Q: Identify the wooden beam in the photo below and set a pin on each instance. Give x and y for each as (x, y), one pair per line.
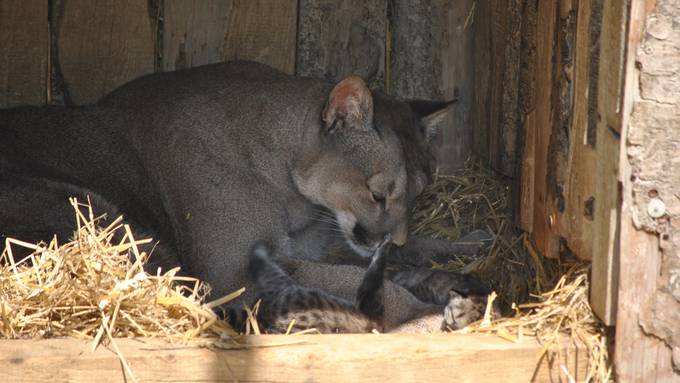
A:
(102, 45)
(23, 52)
(316, 358)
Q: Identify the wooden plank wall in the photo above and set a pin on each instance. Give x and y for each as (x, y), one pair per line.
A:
(90, 48)
(102, 45)
(23, 52)
(411, 49)
(197, 32)
(570, 199)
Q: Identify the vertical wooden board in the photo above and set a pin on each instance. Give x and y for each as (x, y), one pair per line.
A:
(23, 52)
(523, 183)
(416, 36)
(193, 33)
(545, 239)
(482, 59)
(608, 149)
(102, 45)
(336, 39)
(510, 125)
(637, 356)
(652, 139)
(499, 36)
(262, 31)
(528, 173)
(454, 56)
(576, 223)
(432, 58)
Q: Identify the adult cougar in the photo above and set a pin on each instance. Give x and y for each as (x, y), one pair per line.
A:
(217, 157)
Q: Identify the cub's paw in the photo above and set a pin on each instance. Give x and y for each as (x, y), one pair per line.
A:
(463, 310)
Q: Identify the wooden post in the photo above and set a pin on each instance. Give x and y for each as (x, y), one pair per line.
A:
(648, 319)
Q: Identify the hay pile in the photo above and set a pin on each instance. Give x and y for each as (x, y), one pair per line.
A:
(474, 198)
(559, 315)
(541, 298)
(89, 288)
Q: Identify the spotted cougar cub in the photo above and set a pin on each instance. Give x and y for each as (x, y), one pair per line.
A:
(283, 301)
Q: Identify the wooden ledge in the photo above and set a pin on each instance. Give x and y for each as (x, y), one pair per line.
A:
(319, 358)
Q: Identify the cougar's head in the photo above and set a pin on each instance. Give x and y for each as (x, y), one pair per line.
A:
(371, 159)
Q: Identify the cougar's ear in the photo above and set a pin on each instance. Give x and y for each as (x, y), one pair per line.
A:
(431, 115)
(350, 105)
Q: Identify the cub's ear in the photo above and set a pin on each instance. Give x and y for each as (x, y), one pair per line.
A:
(350, 105)
(431, 115)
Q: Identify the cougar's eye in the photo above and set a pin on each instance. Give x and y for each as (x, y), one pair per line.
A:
(377, 198)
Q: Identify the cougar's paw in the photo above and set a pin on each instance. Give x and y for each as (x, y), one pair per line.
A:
(463, 310)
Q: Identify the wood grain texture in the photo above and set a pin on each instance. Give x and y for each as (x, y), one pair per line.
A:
(528, 173)
(501, 35)
(545, 239)
(339, 38)
(432, 58)
(454, 58)
(652, 96)
(102, 45)
(319, 358)
(482, 61)
(577, 220)
(613, 64)
(24, 41)
(262, 31)
(193, 32)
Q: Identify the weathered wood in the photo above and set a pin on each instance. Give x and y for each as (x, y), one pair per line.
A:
(432, 58)
(607, 198)
(523, 175)
(500, 84)
(544, 237)
(340, 38)
(577, 219)
(193, 32)
(649, 297)
(454, 55)
(482, 60)
(318, 358)
(102, 45)
(499, 39)
(23, 52)
(528, 172)
(262, 31)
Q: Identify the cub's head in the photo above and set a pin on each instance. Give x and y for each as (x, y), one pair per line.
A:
(370, 160)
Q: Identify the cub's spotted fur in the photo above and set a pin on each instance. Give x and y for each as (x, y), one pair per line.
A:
(283, 301)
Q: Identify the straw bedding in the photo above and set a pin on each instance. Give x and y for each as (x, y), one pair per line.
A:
(542, 298)
(90, 288)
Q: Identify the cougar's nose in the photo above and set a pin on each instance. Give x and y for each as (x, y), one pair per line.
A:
(399, 234)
